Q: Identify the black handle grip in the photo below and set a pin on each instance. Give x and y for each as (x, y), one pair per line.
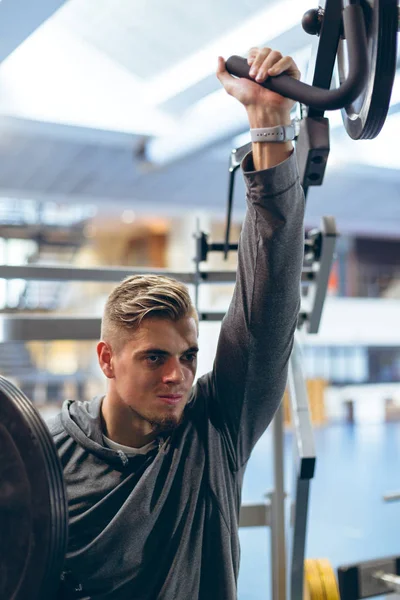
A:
(351, 88)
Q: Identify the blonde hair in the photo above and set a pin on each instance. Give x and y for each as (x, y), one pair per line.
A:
(141, 296)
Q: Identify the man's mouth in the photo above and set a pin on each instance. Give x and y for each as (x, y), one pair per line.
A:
(171, 398)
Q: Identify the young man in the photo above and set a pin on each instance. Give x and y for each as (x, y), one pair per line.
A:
(154, 469)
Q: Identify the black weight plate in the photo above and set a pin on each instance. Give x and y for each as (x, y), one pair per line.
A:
(365, 117)
(15, 516)
(33, 504)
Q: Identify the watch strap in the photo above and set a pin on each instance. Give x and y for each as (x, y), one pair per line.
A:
(280, 133)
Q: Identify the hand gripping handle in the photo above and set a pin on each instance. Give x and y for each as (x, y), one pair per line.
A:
(351, 88)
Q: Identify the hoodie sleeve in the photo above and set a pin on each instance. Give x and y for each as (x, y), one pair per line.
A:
(250, 369)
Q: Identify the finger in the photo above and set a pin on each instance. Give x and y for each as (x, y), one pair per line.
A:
(224, 77)
(220, 66)
(252, 55)
(258, 61)
(285, 65)
(273, 57)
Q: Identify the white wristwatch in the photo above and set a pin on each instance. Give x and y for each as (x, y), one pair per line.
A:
(281, 133)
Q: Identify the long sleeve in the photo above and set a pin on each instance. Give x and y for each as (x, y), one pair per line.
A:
(250, 369)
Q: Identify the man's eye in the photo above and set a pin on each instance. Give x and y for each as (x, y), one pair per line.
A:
(190, 357)
(153, 359)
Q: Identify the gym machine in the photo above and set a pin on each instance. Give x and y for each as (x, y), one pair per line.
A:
(360, 36)
(363, 35)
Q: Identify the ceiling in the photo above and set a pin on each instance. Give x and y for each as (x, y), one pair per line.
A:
(91, 89)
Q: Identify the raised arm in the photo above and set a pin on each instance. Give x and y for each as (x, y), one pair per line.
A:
(256, 338)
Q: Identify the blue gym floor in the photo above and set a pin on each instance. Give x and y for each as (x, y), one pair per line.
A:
(348, 520)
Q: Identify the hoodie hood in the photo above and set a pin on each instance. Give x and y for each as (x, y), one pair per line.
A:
(82, 420)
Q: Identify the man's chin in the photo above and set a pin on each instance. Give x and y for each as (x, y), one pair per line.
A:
(167, 423)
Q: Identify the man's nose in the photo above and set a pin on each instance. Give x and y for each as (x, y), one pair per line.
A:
(173, 371)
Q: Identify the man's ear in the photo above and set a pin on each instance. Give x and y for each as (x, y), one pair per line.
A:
(104, 355)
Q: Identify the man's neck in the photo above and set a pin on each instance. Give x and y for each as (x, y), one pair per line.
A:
(118, 425)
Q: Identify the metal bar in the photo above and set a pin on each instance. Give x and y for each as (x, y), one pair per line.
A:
(236, 157)
(211, 316)
(312, 150)
(102, 274)
(391, 581)
(304, 466)
(299, 535)
(326, 50)
(299, 407)
(255, 515)
(197, 260)
(20, 328)
(220, 246)
(392, 497)
(226, 248)
(116, 274)
(321, 68)
(22, 232)
(329, 235)
(40, 328)
(278, 545)
(238, 154)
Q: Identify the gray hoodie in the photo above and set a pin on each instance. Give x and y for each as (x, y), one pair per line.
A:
(164, 525)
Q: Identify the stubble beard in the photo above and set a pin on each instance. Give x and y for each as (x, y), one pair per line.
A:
(166, 423)
(162, 423)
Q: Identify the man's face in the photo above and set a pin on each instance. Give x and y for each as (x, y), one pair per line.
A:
(154, 372)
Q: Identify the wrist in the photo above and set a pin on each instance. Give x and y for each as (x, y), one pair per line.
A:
(261, 116)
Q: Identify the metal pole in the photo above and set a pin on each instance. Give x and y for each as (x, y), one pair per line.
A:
(304, 466)
(278, 546)
(197, 265)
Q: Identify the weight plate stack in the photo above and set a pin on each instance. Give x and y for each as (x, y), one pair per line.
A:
(320, 580)
(365, 117)
(33, 502)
